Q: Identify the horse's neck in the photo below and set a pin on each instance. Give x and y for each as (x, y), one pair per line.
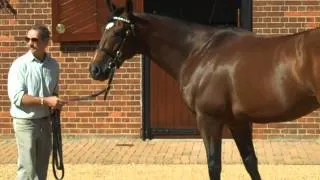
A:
(165, 41)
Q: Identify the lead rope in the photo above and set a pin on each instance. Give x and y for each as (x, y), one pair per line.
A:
(109, 83)
(57, 156)
(105, 90)
(57, 153)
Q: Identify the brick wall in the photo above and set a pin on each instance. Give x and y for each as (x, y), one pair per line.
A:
(281, 18)
(121, 114)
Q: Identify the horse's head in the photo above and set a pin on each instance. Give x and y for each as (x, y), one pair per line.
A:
(115, 45)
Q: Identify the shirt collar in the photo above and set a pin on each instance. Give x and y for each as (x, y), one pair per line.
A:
(31, 57)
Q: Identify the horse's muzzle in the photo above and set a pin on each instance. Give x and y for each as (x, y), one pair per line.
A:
(98, 73)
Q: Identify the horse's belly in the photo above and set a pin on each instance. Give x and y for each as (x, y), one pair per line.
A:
(276, 113)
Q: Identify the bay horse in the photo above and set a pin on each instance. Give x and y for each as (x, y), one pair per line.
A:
(227, 76)
(5, 5)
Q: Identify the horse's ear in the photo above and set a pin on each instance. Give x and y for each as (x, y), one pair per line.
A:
(110, 5)
(129, 6)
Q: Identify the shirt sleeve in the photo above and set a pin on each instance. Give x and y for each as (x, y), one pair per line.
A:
(16, 84)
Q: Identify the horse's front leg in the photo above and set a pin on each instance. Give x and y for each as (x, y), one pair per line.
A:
(242, 134)
(211, 130)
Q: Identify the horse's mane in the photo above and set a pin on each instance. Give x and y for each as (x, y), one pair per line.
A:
(223, 28)
(182, 23)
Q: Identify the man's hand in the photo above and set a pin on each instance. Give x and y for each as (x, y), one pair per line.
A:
(54, 102)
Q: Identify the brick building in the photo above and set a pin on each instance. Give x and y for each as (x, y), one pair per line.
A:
(136, 93)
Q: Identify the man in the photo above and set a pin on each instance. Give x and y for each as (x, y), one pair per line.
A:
(33, 89)
(5, 4)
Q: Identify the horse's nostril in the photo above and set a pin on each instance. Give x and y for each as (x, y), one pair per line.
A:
(95, 70)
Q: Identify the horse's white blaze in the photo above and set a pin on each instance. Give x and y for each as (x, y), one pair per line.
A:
(109, 25)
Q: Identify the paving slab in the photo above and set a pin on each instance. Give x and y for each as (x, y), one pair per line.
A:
(171, 151)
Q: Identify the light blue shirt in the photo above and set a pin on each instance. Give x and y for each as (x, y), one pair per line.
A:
(28, 75)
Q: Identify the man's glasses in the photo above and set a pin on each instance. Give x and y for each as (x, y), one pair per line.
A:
(32, 39)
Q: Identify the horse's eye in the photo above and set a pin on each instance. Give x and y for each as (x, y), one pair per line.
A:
(119, 33)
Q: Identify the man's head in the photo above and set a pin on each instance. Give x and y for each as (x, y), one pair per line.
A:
(37, 40)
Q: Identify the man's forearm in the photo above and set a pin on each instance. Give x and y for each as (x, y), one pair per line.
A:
(32, 100)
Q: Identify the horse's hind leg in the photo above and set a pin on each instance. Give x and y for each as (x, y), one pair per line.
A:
(242, 134)
(210, 131)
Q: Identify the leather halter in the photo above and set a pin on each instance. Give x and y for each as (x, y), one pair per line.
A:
(114, 63)
(116, 57)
